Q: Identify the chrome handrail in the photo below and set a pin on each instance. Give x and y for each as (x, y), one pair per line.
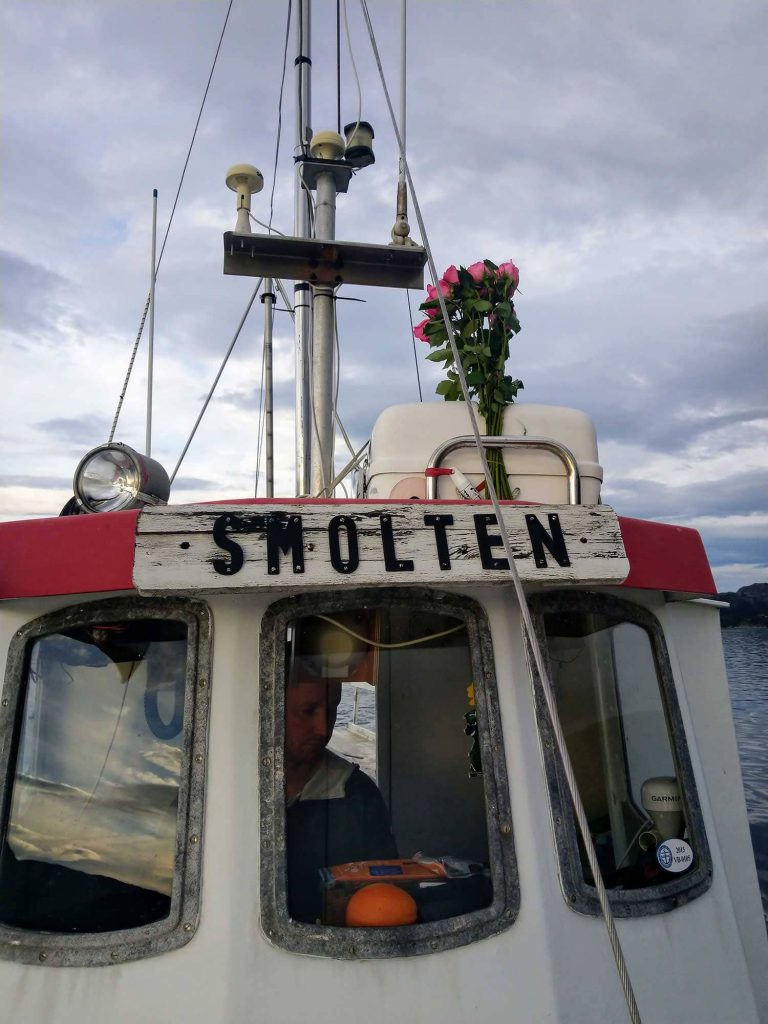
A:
(565, 455)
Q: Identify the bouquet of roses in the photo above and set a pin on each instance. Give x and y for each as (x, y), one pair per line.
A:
(479, 303)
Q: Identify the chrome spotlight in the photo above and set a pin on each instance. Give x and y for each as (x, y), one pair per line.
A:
(114, 477)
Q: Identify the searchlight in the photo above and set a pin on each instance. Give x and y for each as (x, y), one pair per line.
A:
(114, 477)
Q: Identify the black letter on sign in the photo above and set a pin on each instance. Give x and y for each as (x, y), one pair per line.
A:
(221, 540)
(391, 562)
(284, 533)
(486, 541)
(348, 524)
(441, 541)
(540, 539)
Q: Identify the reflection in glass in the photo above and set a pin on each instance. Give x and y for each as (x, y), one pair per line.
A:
(90, 831)
(385, 814)
(611, 709)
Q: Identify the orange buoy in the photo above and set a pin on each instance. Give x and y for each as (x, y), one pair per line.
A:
(380, 905)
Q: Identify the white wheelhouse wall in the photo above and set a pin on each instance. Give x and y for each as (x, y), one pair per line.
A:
(699, 962)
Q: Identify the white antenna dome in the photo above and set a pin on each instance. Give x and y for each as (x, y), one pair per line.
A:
(245, 179)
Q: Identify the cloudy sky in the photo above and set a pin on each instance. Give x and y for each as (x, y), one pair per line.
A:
(615, 151)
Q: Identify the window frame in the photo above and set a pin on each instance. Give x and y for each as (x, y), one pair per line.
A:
(408, 940)
(579, 895)
(93, 949)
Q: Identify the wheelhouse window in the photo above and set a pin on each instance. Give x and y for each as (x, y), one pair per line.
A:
(388, 796)
(615, 699)
(97, 790)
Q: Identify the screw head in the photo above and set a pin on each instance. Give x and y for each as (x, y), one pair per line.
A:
(5, 702)
(42, 957)
(266, 761)
(198, 758)
(187, 927)
(506, 829)
(194, 839)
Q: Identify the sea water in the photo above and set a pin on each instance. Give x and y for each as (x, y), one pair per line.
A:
(746, 661)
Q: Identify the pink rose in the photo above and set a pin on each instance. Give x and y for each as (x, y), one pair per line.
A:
(477, 271)
(451, 276)
(510, 271)
(418, 330)
(445, 288)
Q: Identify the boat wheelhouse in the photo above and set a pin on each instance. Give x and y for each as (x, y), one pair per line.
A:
(150, 660)
(412, 755)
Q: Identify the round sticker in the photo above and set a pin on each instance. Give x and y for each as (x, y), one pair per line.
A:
(674, 855)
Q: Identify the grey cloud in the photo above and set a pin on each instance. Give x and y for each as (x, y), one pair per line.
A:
(30, 294)
(193, 483)
(86, 430)
(740, 494)
(47, 483)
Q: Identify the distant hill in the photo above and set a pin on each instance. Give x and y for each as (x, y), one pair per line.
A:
(749, 606)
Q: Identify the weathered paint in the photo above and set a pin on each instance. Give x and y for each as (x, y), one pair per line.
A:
(94, 554)
(209, 548)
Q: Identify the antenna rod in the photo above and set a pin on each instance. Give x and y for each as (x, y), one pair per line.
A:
(403, 51)
(401, 231)
(151, 346)
(301, 291)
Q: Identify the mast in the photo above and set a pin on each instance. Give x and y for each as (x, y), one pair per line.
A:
(302, 292)
(323, 324)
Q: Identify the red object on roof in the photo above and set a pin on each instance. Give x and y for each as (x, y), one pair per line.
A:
(68, 555)
(664, 557)
(94, 554)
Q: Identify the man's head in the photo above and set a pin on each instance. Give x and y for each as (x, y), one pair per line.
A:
(311, 704)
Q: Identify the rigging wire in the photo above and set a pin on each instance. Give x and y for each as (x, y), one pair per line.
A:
(209, 396)
(338, 66)
(168, 229)
(354, 70)
(413, 340)
(532, 640)
(279, 123)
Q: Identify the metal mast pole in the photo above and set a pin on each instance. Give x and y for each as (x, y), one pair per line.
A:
(323, 329)
(268, 298)
(302, 229)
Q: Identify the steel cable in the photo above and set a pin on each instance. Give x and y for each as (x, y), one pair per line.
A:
(532, 639)
(132, 360)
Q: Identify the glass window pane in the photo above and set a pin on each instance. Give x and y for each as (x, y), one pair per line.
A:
(610, 705)
(90, 830)
(385, 815)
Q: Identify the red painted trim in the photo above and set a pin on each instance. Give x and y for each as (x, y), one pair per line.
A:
(94, 553)
(664, 557)
(68, 555)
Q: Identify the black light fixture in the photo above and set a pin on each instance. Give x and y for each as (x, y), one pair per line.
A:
(114, 477)
(359, 151)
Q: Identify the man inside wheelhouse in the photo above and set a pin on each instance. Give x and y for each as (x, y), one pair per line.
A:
(335, 813)
(416, 838)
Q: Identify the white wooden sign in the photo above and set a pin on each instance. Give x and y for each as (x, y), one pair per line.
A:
(297, 545)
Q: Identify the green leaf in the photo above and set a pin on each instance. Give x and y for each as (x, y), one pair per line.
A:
(443, 387)
(491, 265)
(475, 378)
(439, 354)
(483, 305)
